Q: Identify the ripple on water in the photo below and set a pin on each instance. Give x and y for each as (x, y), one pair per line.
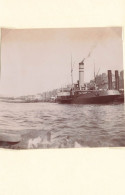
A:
(70, 125)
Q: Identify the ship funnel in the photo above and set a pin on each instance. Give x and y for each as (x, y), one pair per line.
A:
(81, 74)
(116, 80)
(109, 79)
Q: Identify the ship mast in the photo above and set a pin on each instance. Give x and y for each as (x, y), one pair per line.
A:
(71, 72)
(94, 76)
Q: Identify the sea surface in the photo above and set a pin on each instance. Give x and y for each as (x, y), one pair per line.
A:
(53, 125)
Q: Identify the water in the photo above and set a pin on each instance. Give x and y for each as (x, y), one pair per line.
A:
(52, 125)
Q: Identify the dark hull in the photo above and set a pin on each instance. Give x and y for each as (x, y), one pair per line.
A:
(89, 100)
(120, 99)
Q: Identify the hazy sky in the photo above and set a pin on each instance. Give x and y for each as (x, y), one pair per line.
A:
(37, 60)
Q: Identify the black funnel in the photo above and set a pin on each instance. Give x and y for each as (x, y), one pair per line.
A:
(109, 79)
(116, 80)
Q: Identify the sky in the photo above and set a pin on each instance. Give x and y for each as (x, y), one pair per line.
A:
(38, 60)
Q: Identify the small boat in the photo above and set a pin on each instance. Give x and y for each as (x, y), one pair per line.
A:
(10, 137)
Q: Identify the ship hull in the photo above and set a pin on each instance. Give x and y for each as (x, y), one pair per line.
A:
(92, 100)
(102, 97)
(96, 100)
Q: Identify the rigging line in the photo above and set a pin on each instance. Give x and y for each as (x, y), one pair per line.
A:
(71, 71)
(98, 71)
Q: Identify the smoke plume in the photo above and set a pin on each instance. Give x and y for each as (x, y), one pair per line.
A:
(91, 50)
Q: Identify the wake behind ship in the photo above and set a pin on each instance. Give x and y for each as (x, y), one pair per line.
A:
(78, 94)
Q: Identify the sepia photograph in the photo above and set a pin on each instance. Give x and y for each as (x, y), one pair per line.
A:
(61, 88)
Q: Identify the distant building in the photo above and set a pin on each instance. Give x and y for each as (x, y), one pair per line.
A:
(102, 81)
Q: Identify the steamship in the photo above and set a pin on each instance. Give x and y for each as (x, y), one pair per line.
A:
(78, 94)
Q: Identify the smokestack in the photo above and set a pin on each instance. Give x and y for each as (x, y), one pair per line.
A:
(81, 74)
(116, 80)
(109, 79)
